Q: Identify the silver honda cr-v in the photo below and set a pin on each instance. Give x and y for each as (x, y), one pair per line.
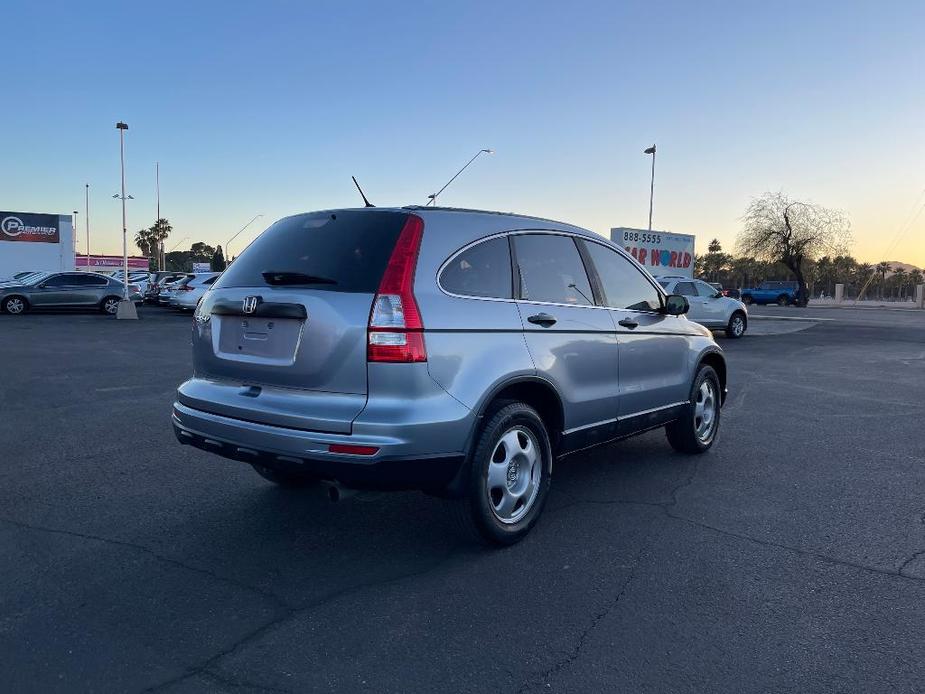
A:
(454, 351)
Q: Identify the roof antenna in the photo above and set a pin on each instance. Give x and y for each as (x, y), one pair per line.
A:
(368, 203)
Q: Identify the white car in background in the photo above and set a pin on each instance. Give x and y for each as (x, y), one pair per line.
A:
(708, 306)
(187, 292)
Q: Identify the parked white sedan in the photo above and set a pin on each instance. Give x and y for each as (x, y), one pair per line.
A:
(708, 306)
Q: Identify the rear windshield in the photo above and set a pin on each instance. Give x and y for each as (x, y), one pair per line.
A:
(343, 251)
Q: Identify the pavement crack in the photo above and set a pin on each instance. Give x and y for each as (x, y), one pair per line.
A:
(273, 598)
(206, 667)
(573, 655)
(797, 550)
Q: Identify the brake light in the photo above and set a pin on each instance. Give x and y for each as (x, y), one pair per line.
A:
(395, 330)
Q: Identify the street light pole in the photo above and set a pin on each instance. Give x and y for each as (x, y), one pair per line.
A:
(228, 245)
(87, 221)
(651, 150)
(126, 307)
(432, 199)
(76, 231)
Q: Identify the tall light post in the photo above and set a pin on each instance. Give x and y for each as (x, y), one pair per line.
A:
(651, 150)
(87, 222)
(126, 307)
(228, 245)
(76, 230)
(432, 199)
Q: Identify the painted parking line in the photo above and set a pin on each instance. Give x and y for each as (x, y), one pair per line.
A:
(811, 320)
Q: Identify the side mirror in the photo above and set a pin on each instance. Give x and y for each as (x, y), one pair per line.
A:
(676, 305)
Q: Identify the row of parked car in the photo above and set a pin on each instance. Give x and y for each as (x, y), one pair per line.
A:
(26, 290)
(181, 290)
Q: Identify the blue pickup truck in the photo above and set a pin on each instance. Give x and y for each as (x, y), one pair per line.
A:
(781, 293)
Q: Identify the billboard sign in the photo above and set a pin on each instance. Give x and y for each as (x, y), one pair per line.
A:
(660, 252)
(202, 267)
(110, 262)
(29, 227)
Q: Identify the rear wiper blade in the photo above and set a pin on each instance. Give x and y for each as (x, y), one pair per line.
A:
(273, 277)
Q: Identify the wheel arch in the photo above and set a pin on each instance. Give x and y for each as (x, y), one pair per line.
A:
(717, 361)
(15, 295)
(535, 391)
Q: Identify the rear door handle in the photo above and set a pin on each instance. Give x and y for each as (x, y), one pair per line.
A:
(543, 319)
(628, 323)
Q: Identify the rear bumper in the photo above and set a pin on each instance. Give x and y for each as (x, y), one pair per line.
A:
(297, 450)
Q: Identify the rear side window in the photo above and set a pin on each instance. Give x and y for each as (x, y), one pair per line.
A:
(211, 280)
(344, 251)
(551, 270)
(685, 289)
(623, 284)
(481, 270)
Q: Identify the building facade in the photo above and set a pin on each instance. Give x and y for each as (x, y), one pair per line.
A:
(35, 242)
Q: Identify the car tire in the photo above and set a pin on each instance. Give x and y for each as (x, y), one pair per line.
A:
(696, 430)
(110, 305)
(747, 300)
(737, 325)
(783, 300)
(507, 476)
(15, 305)
(283, 478)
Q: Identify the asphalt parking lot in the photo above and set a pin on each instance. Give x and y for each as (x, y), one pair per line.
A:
(789, 558)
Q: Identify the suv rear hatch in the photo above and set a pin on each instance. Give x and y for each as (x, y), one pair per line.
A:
(281, 338)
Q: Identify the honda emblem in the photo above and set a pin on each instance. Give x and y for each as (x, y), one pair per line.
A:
(250, 303)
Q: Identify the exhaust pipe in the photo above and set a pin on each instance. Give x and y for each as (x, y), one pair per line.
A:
(336, 491)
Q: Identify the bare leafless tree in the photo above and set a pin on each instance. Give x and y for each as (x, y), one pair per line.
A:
(778, 229)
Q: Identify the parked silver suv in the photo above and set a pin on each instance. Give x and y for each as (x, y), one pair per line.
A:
(453, 351)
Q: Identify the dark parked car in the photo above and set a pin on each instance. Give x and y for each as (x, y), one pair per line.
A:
(65, 290)
(454, 351)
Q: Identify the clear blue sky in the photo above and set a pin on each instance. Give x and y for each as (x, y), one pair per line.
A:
(270, 107)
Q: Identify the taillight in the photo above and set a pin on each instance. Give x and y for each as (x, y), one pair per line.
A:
(185, 288)
(395, 332)
(134, 288)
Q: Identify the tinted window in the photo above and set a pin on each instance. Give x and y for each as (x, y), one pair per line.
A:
(623, 284)
(211, 280)
(482, 270)
(551, 270)
(685, 288)
(350, 249)
(59, 281)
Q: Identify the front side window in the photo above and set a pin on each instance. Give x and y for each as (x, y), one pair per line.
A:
(481, 270)
(623, 284)
(685, 289)
(58, 281)
(551, 270)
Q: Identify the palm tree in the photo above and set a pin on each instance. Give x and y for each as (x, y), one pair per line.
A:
(145, 242)
(899, 274)
(882, 268)
(715, 246)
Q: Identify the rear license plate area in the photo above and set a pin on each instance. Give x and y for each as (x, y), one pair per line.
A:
(258, 340)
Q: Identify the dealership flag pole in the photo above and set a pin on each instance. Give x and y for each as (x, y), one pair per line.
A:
(126, 307)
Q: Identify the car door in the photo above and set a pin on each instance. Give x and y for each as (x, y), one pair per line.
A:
(712, 308)
(697, 312)
(654, 377)
(570, 339)
(51, 292)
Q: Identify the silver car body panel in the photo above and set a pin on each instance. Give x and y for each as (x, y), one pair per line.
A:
(610, 380)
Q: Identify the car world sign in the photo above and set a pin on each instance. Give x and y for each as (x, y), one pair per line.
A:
(28, 227)
(659, 252)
